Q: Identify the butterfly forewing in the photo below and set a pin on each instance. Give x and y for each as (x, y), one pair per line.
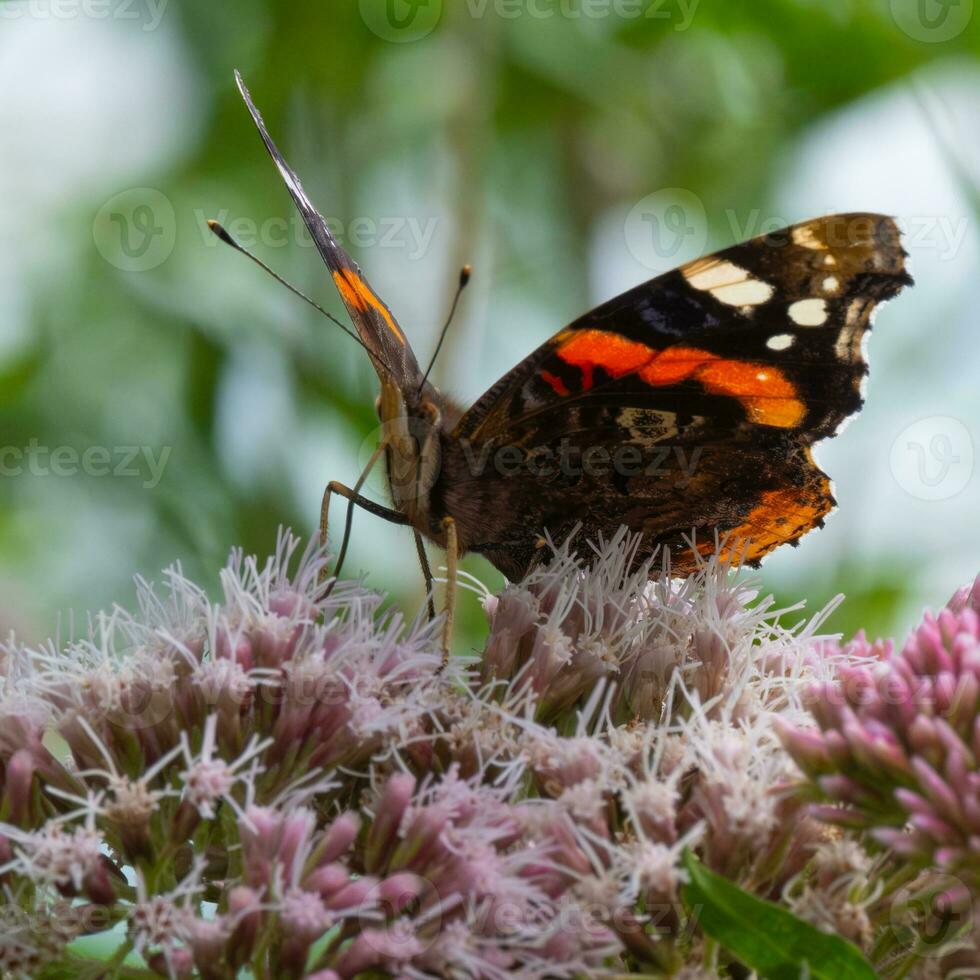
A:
(775, 324)
(374, 321)
(719, 374)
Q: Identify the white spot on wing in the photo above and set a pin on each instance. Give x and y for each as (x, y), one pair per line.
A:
(752, 292)
(781, 341)
(711, 272)
(805, 236)
(809, 312)
(830, 284)
(727, 282)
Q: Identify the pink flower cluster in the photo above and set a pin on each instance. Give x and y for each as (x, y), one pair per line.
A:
(897, 743)
(288, 782)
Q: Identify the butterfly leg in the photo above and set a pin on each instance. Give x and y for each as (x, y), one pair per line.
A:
(452, 570)
(427, 575)
(353, 497)
(386, 513)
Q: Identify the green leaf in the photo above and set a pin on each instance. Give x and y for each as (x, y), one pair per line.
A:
(765, 937)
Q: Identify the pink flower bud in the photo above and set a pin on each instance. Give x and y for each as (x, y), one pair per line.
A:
(297, 831)
(18, 787)
(292, 605)
(244, 909)
(353, 895)
(175, 964)
(397, 892)
(98, 885)
(390, 809)
(806, 747)
(339, 837)
(207, 938)
(375, 948)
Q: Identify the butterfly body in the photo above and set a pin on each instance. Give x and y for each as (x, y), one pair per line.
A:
(416, 436)
(685, 407)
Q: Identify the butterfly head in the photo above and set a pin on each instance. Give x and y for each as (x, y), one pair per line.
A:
(413, 422)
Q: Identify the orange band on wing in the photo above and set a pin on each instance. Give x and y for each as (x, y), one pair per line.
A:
(616, 355)
(357, 294)
(676, 364)
(559, 386)
(768, 396)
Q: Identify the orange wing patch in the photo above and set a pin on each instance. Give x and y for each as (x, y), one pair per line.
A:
(356, 293)
(781, 516)
(676, 364)
(768, 396)
(616, 355)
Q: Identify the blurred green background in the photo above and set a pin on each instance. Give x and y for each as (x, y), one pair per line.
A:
(566, 149)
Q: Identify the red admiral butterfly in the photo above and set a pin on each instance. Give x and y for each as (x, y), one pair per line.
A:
(688, 404)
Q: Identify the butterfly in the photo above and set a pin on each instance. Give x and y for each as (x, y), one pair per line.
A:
(685, 409)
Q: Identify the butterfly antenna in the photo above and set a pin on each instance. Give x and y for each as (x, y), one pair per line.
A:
(223, 234)
(464, 278)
